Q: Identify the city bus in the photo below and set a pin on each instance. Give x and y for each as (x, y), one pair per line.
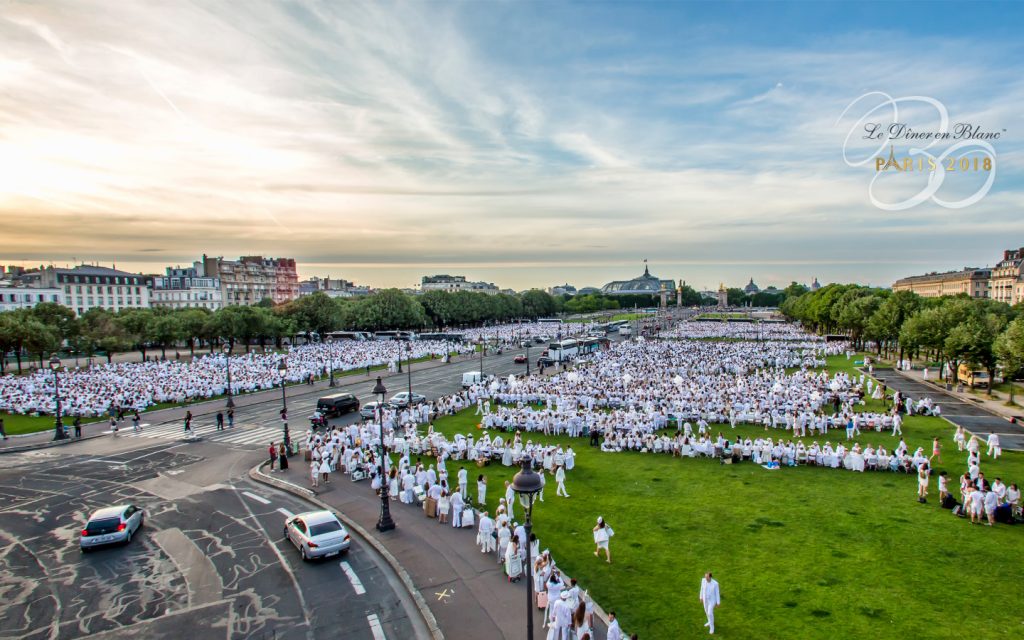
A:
(589, 345)
(563, 351)
(550, 320)
(360, 336)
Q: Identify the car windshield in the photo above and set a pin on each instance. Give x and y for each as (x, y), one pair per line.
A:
(103, 525)
(322, 528)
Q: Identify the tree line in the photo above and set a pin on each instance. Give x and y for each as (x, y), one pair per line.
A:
(954, 330)
(49, 327)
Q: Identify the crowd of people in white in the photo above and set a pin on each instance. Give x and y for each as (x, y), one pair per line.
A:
(737, 330)
(101, 388)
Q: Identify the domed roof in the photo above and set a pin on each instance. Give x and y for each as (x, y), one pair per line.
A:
(645, 283)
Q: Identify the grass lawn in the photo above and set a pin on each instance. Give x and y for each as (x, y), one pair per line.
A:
(18, 424)
(800, 553)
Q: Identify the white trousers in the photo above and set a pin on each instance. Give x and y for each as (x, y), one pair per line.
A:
(709, 611)
(561, 490)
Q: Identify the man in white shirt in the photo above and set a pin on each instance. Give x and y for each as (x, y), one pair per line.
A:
(463, 481)
(614, 633)
(710, 598)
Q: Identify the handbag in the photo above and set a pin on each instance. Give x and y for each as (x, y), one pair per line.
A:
(611, 532)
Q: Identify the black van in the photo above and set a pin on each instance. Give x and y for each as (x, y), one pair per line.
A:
(337, 404)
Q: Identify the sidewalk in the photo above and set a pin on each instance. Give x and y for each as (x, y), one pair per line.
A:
(209, 407)
(467, 591)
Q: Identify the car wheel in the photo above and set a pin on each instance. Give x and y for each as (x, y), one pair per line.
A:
(302, 552)
(128, 538)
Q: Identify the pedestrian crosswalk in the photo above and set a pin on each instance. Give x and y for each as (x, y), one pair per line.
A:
(239, 435)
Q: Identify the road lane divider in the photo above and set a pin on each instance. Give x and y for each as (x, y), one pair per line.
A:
(286, 513)
(375, 628)
(255, 497)
(357, 584)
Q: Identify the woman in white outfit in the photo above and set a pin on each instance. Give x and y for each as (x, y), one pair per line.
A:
(602, 534)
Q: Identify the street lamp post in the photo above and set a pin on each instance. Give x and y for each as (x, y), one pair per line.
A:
(527, 359)
(331, 383)
(399, 345)
(483, 345)
(527, 484)
(58, 426)
(282, 368)
(408, 368)
(385, 523)
(227, 364)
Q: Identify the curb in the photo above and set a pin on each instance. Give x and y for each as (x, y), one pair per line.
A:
(257, 475)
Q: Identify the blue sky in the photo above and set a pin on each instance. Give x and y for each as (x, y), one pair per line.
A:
(524, 143)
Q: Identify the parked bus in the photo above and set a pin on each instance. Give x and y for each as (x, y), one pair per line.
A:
(589, 345)
(449, 337)
(394, 335)
(563, 351)
(550, 320)
(359, 336)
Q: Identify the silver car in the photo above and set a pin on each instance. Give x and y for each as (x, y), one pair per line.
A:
(112, 525)
(369, 410)
(317, 534)
(401, 400)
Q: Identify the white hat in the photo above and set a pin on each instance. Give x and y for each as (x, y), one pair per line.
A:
(565, 595)
(600, 519)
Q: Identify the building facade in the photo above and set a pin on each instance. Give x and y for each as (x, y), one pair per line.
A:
(187, 288)
(86, 287)
(971, 281)
(13, 298)
(453, 284)
(1007, 281)
(332, 288)
(250, 279)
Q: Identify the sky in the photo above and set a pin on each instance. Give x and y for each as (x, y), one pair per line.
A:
(522, 143)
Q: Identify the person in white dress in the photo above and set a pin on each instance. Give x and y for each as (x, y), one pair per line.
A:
(710, 597)
(481, 489)
(602, 534)
(994, 450)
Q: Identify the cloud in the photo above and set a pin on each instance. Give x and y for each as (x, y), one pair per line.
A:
(376, 133)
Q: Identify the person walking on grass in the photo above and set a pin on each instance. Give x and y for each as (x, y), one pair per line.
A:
(710, 597)
(922, 482)
(602, 535)
(936, 451)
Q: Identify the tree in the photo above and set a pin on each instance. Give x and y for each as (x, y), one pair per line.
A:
(537, 304)
(58, 317)
(10, 338)
(136, 324)
(317, 313)
(973, 341)
(885, 323)
(1009, 349)
(193, 326)
(165, 329)
(389, 309)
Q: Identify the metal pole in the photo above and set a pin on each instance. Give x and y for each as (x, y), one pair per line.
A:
(408, 368)
(58, 428)
(399, 355)
(527, 359)
(385, 523)
(482, 347)
(227, 363)
(529, 571)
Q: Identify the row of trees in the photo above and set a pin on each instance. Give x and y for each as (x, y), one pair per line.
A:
(953, 330)
(50, 327)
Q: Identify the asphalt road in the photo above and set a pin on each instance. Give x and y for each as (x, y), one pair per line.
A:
(211, 561)
(973, 418)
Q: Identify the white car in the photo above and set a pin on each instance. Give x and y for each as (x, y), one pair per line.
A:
(112, 525)
(317, 534)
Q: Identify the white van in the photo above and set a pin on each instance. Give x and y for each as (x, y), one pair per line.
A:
(625, 330)
(470, 378)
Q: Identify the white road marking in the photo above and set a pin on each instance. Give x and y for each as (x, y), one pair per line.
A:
(255, 497)
(375, 628)
(353, 578)
(285, 512)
